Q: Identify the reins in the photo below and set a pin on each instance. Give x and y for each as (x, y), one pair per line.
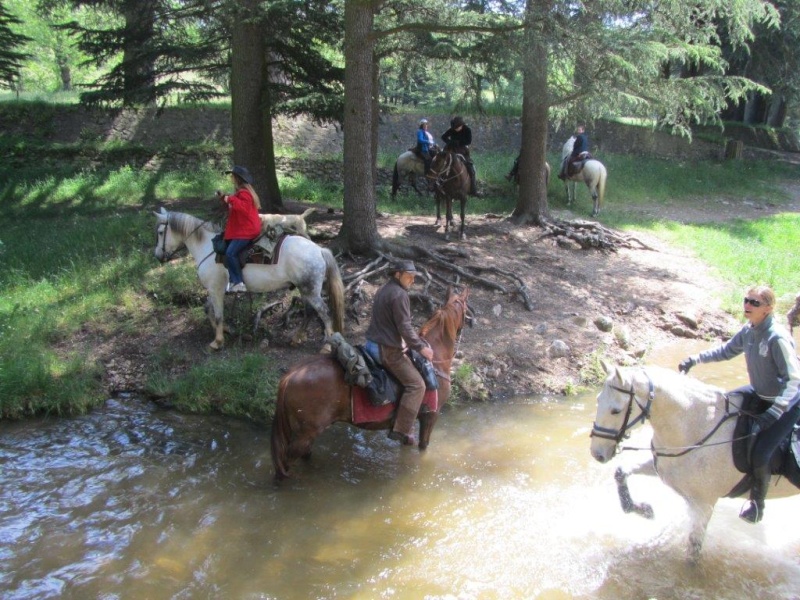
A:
(617, 435)
(441, 177)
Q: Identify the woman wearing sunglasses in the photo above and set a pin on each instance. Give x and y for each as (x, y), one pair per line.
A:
(774, 390)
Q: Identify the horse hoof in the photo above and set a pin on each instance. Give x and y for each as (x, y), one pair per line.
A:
(214, 345)
(326, 349)
(463, 236)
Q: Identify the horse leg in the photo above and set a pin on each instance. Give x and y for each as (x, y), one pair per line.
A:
(321, 309)
(595, 196)
(700, 514)
(427, 420)
(214, 309)
(438, 210)
(463, 210)
(628, 505)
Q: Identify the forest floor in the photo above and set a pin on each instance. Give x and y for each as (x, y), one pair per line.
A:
(586, 304)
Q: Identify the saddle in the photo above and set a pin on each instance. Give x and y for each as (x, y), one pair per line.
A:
(361, 370)
(785, 461)
(261, 251)
(576, 166)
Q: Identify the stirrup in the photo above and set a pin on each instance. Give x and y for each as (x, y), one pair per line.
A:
(751, 513)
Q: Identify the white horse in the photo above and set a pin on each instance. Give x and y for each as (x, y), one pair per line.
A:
(693, 425)
(593, 174)
(409, 167)
(301, 263)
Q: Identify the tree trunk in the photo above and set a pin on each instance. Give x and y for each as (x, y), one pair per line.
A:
(776, 116)
(359, 231)
(139, 72)
(532, 200)
(251, 116)
(734, 149)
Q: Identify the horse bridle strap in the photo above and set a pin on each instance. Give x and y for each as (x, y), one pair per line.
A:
(619, 434)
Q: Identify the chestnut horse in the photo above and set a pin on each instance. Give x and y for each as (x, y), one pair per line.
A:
(451, 182)
(313, 395)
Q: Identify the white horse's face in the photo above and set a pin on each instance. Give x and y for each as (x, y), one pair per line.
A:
(167, 243)
(612, 407)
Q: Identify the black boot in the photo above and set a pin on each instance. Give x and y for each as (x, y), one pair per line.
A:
(753, 511)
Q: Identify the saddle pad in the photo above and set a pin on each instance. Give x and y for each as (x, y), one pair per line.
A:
(364, 412)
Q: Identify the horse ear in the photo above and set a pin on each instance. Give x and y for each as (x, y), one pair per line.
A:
(607, 367)
(618, 375)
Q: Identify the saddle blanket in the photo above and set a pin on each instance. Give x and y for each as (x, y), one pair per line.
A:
(364, 412)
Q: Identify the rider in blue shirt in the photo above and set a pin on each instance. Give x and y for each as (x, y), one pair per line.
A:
(425, 143)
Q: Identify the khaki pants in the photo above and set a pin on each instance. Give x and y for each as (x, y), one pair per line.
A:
(399, 365)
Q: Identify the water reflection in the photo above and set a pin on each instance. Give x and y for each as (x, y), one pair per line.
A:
(133, 502)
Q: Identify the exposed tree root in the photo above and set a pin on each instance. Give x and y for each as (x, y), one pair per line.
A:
(590, 234)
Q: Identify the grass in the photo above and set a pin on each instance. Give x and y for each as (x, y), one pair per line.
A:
(76, 246)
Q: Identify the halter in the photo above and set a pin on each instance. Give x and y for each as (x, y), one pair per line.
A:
(623, 432)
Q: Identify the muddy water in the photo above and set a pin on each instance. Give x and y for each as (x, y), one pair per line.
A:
(134, 502)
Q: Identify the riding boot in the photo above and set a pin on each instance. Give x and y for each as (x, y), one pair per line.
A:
(473, 187)
(562, 175)
(754, 509)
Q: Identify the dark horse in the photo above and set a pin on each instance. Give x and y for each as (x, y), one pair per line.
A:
(313, 395)
(451, 182)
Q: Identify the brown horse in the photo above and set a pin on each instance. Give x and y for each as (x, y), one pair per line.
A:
(313, 395)
(451, 182)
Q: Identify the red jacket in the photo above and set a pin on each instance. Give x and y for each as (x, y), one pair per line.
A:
(243, 220)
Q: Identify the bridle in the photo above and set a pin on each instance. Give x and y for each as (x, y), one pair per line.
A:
(166, 257)
(441, 174)
(617, 435)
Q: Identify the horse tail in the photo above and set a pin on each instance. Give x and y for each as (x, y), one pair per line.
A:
(335, 288)
(395, 180)
(601, 187)
(281, 432)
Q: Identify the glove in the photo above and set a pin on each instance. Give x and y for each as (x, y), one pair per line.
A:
(686, 364)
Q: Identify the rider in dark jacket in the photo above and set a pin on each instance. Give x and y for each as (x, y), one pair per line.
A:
(580, 149)
(458, 139)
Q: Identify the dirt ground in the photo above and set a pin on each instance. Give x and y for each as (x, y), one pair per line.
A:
(586, 304)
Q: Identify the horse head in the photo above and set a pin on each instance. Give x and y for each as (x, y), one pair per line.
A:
(164, 250)
(615, 406)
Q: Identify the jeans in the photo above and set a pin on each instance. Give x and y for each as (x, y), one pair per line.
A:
(232, 260)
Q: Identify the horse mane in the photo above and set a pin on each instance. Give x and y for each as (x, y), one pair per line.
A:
(187, 225)
(447, 317)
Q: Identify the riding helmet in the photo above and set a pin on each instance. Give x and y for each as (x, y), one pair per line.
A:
(457, 122)
(423, 122)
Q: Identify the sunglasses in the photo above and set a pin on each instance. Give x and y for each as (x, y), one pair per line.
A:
(753, 303)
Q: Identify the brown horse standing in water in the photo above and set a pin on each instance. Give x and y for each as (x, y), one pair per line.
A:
(313, 394)
(451, 182)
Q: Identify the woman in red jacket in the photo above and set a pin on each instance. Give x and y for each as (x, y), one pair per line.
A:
(243, 224)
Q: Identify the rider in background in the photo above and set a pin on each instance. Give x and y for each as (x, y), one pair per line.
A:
(243, 226)
(424, 144)
(391, 330)
(774, 371)
(458, 139)
(580, 151)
